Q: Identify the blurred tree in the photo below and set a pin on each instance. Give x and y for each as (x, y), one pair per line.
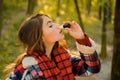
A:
(67, 4)
(103, 53)
(89, 6)
(109, 10)
(1, 16)
(58, 9)
(83, 4)
(31, 6)
(115, 73)
(100, 9)
(79, 14)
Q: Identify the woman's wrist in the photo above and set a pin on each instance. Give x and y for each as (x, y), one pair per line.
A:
(84, 41)
(82, 36)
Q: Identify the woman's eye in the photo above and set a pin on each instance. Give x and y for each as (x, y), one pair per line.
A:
(50, 26)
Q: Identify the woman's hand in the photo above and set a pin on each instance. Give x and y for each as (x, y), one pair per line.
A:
(75, 30)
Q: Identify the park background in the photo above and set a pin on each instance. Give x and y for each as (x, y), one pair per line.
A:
(96, 18)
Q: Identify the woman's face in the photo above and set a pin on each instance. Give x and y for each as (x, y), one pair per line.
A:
(51, 31)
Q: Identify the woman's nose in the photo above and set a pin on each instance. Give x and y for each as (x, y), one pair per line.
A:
(59, 26)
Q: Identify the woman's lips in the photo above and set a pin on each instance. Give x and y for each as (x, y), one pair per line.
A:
(60, 31)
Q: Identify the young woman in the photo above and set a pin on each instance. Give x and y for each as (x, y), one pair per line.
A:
(46, 59)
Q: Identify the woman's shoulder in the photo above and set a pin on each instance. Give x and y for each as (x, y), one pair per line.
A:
(28, 61)
(33, 70)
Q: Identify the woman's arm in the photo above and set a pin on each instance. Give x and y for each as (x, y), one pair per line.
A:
(88, 62)
(28, 70)
(33, 70)
(32, 73)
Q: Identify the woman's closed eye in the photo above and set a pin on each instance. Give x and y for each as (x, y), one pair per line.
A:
(50, 26)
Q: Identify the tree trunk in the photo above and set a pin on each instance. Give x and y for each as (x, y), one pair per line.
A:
(100, 9)
(1, 17)
(88, 6)
(79, 14)
(58, 9)
(115, 73)
(31, 6)
(103, 53)
(109, 10)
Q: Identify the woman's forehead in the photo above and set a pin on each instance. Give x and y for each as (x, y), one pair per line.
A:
(46, 19)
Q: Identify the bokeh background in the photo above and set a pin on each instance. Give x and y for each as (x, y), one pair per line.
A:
(96, 17)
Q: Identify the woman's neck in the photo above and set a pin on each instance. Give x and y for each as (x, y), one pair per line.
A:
(49, 47)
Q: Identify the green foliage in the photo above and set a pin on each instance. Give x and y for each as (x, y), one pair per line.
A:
(14, 4)
(10, 47)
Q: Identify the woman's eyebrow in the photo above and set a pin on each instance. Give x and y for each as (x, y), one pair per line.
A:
(49, 22)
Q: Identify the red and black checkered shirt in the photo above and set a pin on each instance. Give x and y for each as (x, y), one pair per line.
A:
(61, 66)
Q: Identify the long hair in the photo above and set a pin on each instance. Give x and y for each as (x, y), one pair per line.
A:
(30, 35)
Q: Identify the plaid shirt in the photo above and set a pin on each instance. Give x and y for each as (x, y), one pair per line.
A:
(61, 67)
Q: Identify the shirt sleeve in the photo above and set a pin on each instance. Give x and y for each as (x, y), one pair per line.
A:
(17, 73)
(85, 41)
(11, 77)
(88, 62)
(34, 72)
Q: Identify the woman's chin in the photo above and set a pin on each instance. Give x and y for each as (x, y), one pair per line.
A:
(62, 37)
